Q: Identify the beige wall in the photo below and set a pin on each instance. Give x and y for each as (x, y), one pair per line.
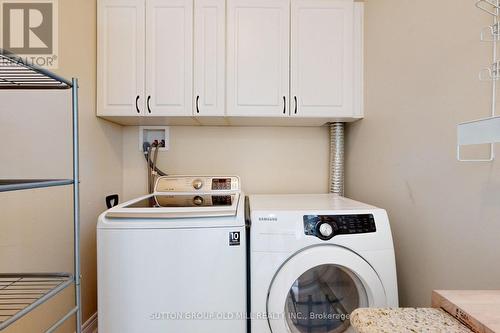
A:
(268, 160)
(422, 60)
(35, 227)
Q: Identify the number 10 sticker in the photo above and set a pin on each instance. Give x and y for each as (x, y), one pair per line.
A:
(234, 238)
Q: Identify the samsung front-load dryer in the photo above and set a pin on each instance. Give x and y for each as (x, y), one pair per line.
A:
(174, 261)
(314, 260)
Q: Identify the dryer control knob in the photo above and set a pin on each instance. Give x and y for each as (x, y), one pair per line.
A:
(197, 184)
(325, 230)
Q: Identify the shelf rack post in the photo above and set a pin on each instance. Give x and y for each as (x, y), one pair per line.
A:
(76, 203)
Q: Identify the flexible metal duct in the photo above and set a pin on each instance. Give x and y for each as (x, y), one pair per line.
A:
(337, 158)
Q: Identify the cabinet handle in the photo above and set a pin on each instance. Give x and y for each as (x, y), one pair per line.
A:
(137, 104)
(295, 99)
(198, 104)
(149, 107)
(284, 105)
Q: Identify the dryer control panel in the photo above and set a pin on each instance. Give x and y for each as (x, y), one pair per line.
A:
(326, 227)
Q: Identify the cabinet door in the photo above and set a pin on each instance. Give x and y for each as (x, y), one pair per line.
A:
(209, 57)
(322, 69)
(169, 57)
(258, 57)
(121, 40)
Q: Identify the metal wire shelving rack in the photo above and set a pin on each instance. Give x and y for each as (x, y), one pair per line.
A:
(20, 293)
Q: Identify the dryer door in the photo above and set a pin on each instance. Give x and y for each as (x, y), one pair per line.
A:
(317, 289)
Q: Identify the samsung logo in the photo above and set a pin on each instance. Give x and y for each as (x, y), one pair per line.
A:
(268, 219)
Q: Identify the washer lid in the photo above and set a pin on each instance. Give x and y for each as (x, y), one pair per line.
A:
(316, 290)
(178, 206)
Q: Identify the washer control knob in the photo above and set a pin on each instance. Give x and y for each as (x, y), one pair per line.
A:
(197, 184)
(325, 230)
(198, 201)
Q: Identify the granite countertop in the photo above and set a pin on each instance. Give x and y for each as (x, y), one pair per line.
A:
(405, 320)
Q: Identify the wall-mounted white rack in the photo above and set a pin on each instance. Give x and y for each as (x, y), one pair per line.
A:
(489, 6)
(491, 33)
(490, 73)
(487, 130)
(481, 131)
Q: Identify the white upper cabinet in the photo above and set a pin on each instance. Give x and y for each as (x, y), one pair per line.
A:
(121, 41)
(230, 62)
(258, 33)
(323, 59)
(209, 57)
(145, 57)
(169, 57)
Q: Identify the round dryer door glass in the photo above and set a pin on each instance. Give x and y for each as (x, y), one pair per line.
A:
(322, 299)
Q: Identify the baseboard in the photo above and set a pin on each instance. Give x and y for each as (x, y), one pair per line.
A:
(90, 326)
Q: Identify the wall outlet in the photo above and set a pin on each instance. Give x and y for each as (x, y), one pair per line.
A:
(154, 135)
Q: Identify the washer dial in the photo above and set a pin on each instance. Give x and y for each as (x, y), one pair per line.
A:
(198, 201)
(197, 184)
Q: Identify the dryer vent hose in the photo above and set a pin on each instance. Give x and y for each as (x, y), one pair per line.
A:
(337, 158)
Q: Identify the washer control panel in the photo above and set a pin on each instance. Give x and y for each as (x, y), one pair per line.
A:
(221, 184)
(196, 184)
(325, 227)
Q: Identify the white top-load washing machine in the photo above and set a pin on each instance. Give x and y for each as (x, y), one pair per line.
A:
(174, 261)
(315, 259)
